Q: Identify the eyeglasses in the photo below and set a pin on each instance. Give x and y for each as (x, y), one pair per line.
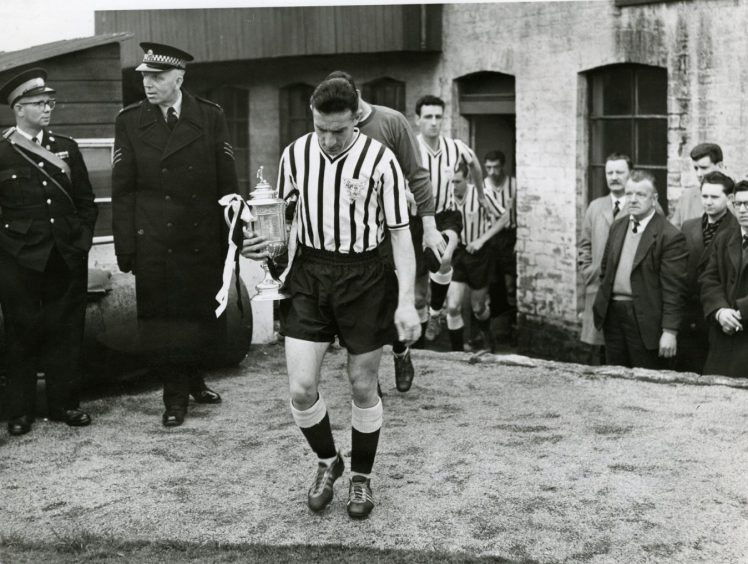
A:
(40, 104)
(740, 204)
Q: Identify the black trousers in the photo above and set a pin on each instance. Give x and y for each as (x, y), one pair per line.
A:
(44, 314)
(179, 350)
(623, 341)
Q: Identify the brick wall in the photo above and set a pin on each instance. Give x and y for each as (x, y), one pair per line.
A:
(548, 47)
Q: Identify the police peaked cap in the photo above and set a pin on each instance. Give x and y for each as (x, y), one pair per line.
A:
(28, 83)
(158, 58)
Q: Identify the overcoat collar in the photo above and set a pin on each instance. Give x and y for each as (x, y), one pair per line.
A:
(154, 132)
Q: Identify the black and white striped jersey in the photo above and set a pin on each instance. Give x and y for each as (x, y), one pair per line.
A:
(344, 202)
(441, 165)
(477, 219)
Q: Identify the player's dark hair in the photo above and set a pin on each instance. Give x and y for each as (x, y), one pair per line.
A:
(342, 74)
(428, 100)
(463, 168)
(717, 177)
(495, 156)
(741, 186)
(621, 157)
(334, 95)
(711, 150)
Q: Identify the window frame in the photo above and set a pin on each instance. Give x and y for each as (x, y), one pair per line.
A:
(373, 90)
(286, 120)
(635, 119)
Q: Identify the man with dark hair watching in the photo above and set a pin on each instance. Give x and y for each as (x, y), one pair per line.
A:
(724, 293)
(348, 188)
(700, 232)
(639, 305)
(503, 286)
(706, 157)
(441, 155)
(600, 215)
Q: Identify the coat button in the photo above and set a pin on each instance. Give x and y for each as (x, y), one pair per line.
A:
(167, 197)
(196, 224)
(189, 167)
(169, 251)
(41, 164)
(140, 231)
(44, 182)
(169, 224)
(14, 177)
(7, 226)
(195, 251)
(194, 196)
(51, 219)
(49, 200)
(164, 171)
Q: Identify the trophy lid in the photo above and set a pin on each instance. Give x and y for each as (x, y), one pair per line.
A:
(262, 189)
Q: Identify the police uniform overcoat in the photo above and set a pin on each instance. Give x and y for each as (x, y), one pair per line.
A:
(36, 214)
(165, 190)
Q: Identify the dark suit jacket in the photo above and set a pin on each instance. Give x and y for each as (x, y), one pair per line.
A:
(698, 256)
(36, 214)
(165, 191)
(658, 277)
(724, 283)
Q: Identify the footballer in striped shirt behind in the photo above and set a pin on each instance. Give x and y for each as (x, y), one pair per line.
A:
(441, 155)
(348, 190)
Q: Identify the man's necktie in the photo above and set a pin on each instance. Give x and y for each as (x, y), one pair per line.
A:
(616, 208)
(636, 226)
(171, 118)
(745, 242)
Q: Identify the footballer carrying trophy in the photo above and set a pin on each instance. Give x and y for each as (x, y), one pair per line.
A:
(269, 212)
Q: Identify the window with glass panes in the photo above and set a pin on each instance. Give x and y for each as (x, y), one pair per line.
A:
(235, 104)
(295, 114)
(628, 114)
(385, 92)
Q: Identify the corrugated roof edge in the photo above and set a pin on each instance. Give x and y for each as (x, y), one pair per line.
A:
(12, 59)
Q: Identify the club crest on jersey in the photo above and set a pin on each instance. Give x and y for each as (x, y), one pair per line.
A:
(355, 187)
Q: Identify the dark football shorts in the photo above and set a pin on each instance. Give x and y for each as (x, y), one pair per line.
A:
(473, 270)
(332, 294)
(449, 220)
(503, 249)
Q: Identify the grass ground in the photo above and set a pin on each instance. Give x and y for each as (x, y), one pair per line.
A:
(478, 462)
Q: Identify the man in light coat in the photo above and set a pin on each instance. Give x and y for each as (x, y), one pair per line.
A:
(597, 221)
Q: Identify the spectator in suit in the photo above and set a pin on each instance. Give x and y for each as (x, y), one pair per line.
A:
(706, 157)
(724, 293)
(700, 232)
(600, 215)
(639, 305)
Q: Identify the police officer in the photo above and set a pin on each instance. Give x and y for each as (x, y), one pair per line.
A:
(172, 163)
(46, 229)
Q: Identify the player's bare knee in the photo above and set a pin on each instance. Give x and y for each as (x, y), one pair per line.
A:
(303, 394)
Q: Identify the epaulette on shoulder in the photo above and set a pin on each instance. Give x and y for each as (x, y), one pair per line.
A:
(60, 135)
(131, 106)
(209, 102)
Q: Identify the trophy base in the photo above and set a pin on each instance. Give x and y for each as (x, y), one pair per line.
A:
(269, 295)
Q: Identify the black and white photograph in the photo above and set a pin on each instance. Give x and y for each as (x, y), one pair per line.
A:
(355, 281)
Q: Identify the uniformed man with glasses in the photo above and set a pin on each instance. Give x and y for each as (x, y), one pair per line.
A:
(46, 229)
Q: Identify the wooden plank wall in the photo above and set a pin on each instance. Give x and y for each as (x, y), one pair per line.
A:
(233, 34)
(89, 91)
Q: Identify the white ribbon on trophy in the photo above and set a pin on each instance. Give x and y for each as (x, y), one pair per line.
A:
(235, 211)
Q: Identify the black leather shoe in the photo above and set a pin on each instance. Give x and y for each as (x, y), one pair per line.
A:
(404, 371)
(72, 417)
(173, 417)
(206, 396)
(19, 425)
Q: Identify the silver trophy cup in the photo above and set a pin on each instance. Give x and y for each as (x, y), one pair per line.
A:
(269, 213)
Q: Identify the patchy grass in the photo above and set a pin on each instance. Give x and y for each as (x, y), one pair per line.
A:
(94, 550)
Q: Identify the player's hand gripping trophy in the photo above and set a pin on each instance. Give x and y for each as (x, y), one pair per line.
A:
(269, 222)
